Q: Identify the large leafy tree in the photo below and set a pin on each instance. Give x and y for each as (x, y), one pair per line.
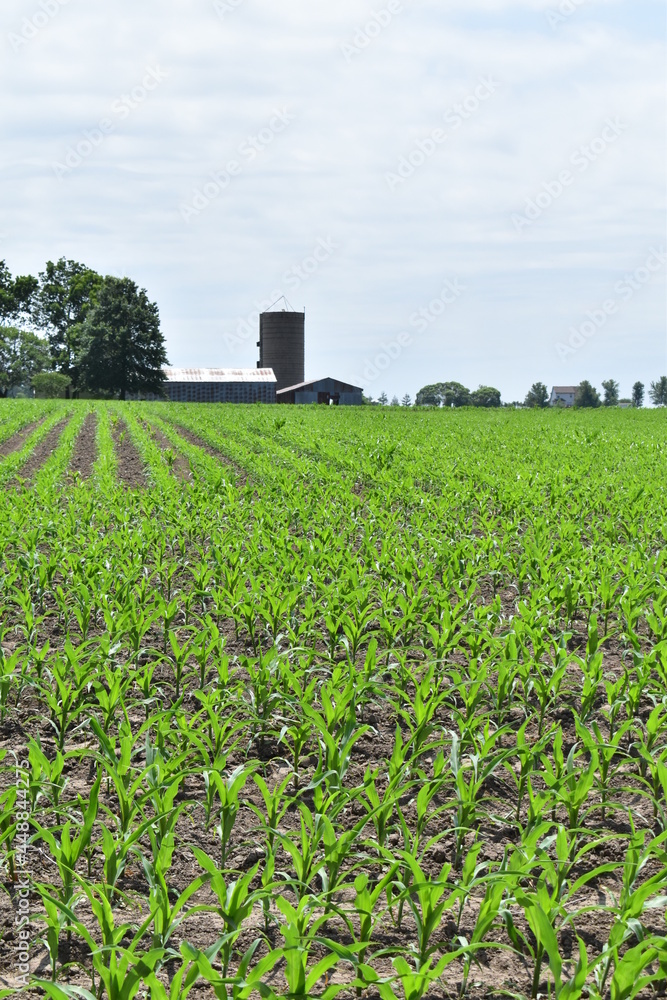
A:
(586, 396)
(638, 394)
(22, 355)
(6, 292)
(456, 394)
(658, 391)
(611, 388)
(486, 395)
(443, 394)
(430, 395)
(16, 295)
(121, 346)
(67, 291)
(538, 395)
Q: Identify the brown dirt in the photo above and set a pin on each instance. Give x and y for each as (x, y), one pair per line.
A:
(40, 454)
(181, 467)
(16, 441)
(85, 449)
(215, 453)
(130, 465)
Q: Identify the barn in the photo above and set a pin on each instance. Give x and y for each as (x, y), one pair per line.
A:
(219, 385)
(324, 390)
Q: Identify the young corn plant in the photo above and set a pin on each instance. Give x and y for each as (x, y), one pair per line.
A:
(236, 902)
(120, 969)
(168, 914)
(469, 780)
(229, 789)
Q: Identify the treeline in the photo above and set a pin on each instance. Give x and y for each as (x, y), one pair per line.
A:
(586, 395)
(455, 394)
(71, 329)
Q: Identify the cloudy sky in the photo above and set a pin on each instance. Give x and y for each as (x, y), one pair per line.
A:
(452, 189)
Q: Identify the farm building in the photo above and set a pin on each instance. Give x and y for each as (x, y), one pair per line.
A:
(323, 390)
(219, 385)
(562, 395)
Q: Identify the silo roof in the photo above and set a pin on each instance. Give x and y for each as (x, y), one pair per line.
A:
(219, 375)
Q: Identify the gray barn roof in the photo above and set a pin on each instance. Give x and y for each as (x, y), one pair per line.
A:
(314, 381)
(219, 375)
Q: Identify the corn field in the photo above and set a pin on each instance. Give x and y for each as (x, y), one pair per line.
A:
(312, 702)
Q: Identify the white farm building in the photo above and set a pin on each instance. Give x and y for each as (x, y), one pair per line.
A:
(218, 385)
(562, 395)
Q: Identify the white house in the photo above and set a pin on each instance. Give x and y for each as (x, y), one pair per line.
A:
(562, 395)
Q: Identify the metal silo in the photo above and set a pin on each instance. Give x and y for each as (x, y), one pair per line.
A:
(282, 346)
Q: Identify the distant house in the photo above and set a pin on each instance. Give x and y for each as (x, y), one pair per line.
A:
(324, 390)
(563, 395)
(218, 385)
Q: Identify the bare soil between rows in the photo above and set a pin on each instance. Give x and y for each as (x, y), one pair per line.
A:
(180, 467)
(215, 453)
(85, 449)
(42, 452)
(131, 470)
(16, 441)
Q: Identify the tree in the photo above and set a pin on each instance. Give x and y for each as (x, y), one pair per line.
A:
(443, 394)
(383, 399)
(6, 291)
(16, 295)
(406, 401)
(586, 395)
(610, 392)
(456, 394)
(658, 391)
(537, 396)
(22, 355)
(51, 385)
(430, 395)
(67, 291)
(638, 395)
(485, 395)
(394, 401)
(121, 346)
